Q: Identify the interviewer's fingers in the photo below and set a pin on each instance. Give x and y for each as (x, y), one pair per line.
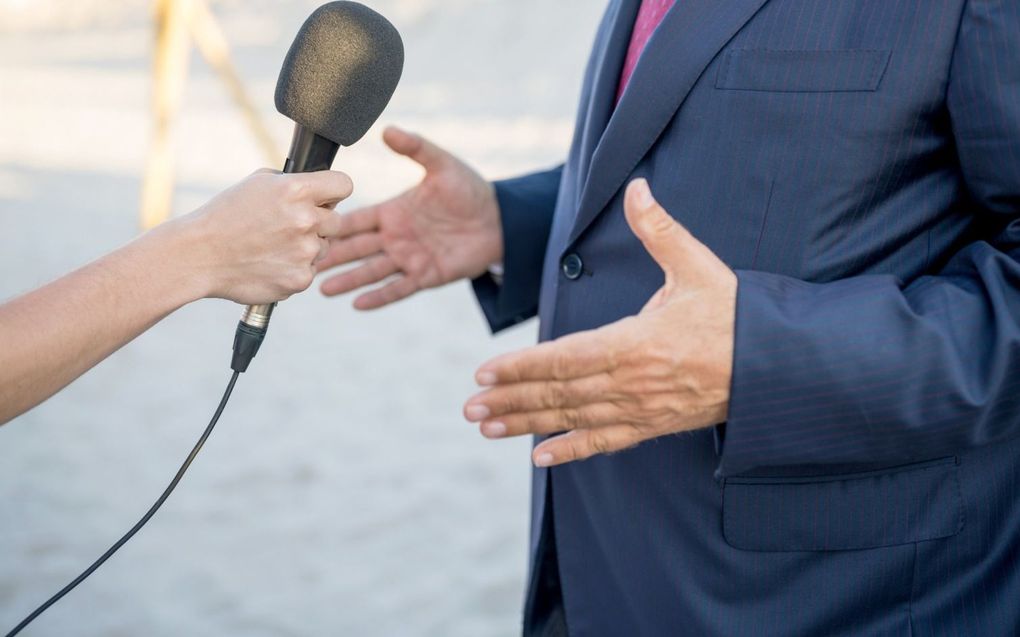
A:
(372, 271)
(353, 249)
(325, 187)
(323, 251)
(390, 293)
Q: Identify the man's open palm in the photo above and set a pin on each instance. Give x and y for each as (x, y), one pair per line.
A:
(444, 229)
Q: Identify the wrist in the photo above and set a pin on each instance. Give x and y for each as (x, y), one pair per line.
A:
(493, 251)
(181, 256)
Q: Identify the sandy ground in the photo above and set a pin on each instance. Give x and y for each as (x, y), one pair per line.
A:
(342, 493)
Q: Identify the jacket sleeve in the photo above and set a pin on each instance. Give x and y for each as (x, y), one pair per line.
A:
(867, 369)
(526, 206)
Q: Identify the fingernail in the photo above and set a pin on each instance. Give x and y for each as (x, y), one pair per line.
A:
(643, 193)
(493, 430)
(485, 378)
(476, 413)
(543, 460)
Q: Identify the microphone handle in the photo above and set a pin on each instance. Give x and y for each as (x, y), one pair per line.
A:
(309, 152)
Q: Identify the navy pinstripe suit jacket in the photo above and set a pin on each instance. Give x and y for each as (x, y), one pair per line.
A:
(857, 162)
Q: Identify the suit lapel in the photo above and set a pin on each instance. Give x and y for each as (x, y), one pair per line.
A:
(605, 68)
(686, 42)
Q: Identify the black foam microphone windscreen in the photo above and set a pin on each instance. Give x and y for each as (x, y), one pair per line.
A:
(337, 78)
(341, 71)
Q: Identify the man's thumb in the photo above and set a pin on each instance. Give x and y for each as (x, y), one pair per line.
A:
(664, 238)
(414, 146)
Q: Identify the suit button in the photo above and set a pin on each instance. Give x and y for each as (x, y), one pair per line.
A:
(572, 266)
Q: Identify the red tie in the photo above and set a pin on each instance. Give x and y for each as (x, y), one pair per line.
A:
(649, 16)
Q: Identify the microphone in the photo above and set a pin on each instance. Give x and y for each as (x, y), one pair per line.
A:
(337, 78)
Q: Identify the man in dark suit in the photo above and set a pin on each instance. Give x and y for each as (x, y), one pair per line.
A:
(833, 271)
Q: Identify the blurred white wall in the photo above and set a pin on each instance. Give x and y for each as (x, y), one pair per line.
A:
(342, 492)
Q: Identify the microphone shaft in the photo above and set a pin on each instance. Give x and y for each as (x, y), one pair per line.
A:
(309, 152)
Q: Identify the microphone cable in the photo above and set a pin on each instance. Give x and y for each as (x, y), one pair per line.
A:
(145, 518)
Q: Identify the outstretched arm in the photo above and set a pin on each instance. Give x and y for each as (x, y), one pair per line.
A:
(255, 243)
(453, 225)
(867, 369)
(526, 207)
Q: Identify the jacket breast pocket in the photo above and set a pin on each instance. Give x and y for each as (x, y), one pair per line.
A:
(899, 505)
(802, 71)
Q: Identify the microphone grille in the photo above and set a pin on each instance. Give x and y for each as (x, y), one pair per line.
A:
(341, 71)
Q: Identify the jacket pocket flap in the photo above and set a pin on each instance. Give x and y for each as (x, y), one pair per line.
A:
(802, 71)
(900, 505)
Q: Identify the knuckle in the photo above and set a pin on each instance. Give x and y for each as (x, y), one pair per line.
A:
(576, 450)
(293, 188)
(310, 249)
(299, 280)
(263, 181)
(534, 423)
(507, 403)
(303, 219)
(514, 371)
(560, 366)
(599, 443)
(662, 223)
(646, 403)
(555, 394)
(571, 418)
(345, 185)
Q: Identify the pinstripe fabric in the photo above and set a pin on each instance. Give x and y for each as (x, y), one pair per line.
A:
(858, 164)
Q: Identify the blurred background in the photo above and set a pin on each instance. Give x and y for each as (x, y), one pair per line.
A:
(342, 493)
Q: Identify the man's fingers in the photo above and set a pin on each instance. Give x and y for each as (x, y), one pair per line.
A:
(552, 421)
(329, 223)
(415, 147)
(349, 250)
(325, 187)
(392, 292)
(573, 356)
(372, 271)
(538, 395)
(585, 443)
(351, 223)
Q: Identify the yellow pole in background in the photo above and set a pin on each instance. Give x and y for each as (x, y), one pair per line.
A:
(170, 70)
(213, 46)
(177, 22)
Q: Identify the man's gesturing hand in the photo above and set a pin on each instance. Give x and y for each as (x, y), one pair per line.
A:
(444, 229)
(664, 371)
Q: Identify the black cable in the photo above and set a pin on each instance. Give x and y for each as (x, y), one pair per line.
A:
(145, 518)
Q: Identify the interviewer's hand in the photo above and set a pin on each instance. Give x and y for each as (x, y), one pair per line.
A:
(254, 243)
(258, 241)
(444, 229)
(664, 371)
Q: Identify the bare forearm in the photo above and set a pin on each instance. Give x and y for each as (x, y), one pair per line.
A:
(254, 243)
(52, 335)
